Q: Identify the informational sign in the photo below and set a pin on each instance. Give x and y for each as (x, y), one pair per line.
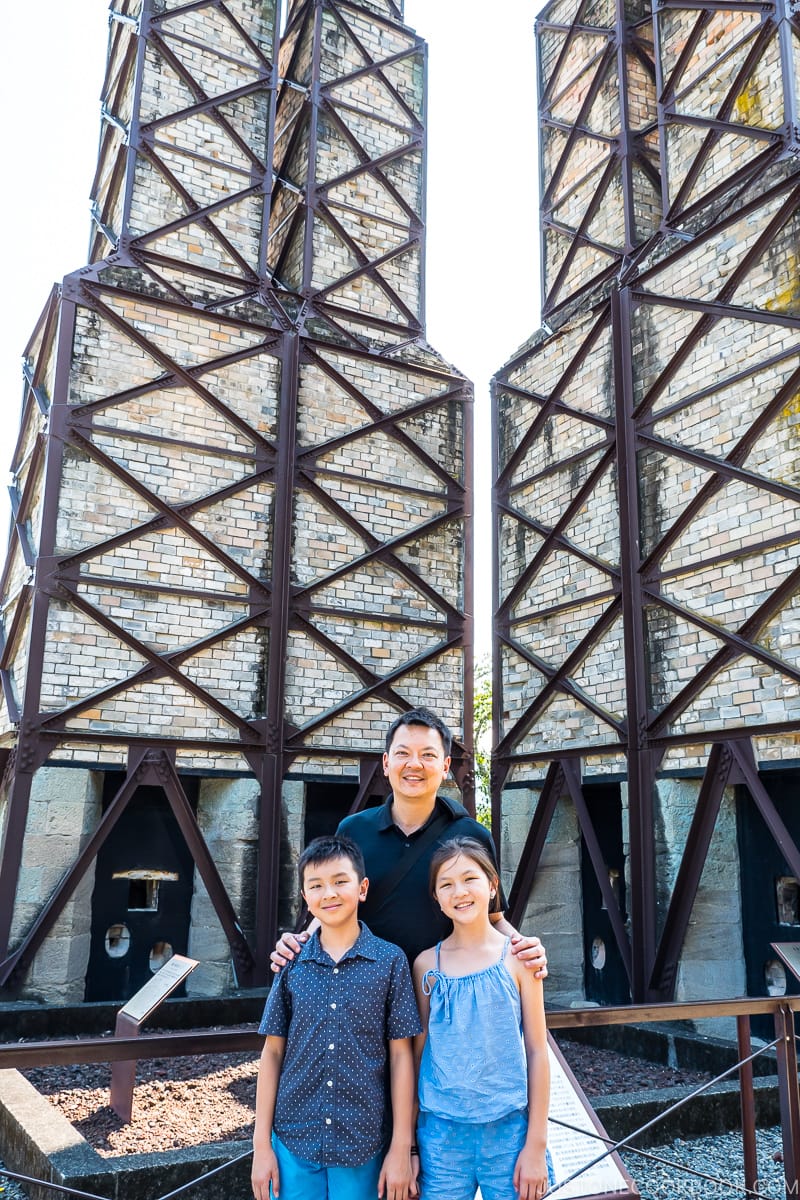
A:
(131, 1017)
(790, 953)
(573, 1142)
(159, 987)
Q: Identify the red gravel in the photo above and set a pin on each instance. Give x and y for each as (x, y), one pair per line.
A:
(190, 1101)
(605, 1072)
(177, 1102)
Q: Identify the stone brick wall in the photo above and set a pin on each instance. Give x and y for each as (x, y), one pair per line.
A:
(227, 813)
(64, 810)
(553, 911)
(711, 964)
(597, 94)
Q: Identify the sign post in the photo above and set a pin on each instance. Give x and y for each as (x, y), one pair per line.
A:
(575, 1138)
(790, 953)
(130, 1019)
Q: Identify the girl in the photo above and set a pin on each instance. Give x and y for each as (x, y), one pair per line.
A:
(482, 1061)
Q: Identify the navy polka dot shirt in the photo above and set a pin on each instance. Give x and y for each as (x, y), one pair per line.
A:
(337, 1018)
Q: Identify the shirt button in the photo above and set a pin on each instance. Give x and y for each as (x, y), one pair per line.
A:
(333, 1006)
(336, 970)
(330, 1047)
(330, 1083)
(327, 1120)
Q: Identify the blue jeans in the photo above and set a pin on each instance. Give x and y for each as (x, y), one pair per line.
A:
(456, 1157)
(301, 1180)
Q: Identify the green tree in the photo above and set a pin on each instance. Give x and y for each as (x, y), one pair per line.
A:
(482, 716)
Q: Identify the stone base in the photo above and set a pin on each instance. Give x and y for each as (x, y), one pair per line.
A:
(715, 1111)
(36, 1140)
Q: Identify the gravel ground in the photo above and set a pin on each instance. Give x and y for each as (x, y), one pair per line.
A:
(605, 1072)
(720, 1157)
(177, 1102)
(9, 1190)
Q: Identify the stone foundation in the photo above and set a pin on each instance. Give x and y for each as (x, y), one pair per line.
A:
(65, 807)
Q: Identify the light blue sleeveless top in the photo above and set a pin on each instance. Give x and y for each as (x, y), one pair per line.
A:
(473, 1066)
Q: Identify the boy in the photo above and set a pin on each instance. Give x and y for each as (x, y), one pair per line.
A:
(332, 1019)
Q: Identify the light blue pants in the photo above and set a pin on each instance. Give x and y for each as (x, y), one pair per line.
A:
(456, 1157)
(301, 1180)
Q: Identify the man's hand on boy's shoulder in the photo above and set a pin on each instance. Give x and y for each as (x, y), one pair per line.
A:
(287, 948)
(530, 952)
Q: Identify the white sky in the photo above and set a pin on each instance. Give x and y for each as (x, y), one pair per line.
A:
(482, 261)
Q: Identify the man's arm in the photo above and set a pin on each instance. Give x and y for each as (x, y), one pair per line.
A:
(396, 1180)
(265, 1164)
(529, 950)
(288, 946)
(424, 962)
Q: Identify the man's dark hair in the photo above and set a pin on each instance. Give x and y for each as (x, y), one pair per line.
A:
(420, 716)
(324, 849)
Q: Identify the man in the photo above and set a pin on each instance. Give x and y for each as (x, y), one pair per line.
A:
(398, 840)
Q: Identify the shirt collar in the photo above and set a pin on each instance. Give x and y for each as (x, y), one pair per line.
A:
(363, 947)
(452, 806)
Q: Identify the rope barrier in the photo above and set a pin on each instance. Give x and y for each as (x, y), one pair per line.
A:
(68, 1191)
(202, 1178)
(667, 1162)
(44, 1183)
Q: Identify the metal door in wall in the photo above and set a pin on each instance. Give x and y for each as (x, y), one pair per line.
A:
(142, 895)
(605, 978)
(770, 893)
(327, 804)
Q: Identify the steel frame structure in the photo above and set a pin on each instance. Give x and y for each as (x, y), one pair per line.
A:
(661, 463)
(272, 251)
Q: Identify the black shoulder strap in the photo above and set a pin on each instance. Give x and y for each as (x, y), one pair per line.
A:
(383, 890)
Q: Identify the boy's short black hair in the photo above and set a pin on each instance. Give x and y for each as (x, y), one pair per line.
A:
(420, 716)
(323, 849)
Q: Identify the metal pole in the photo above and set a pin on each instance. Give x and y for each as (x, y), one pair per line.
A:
(271, 776)
(748, 1102)
(786, 1051)
(641, 775)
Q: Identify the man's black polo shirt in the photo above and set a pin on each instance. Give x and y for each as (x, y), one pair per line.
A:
(410, 918)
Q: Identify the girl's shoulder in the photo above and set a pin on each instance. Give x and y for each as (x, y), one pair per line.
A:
(522, 975)
(513, 966)
(426, 961)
